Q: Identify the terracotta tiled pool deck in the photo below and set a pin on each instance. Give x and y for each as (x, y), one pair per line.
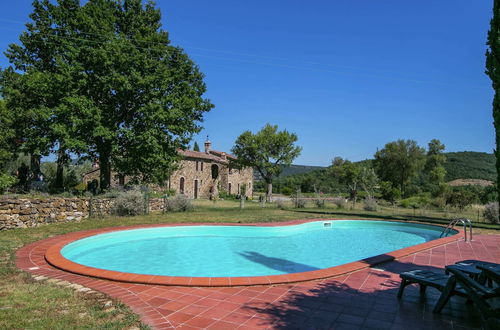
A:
(364, 299)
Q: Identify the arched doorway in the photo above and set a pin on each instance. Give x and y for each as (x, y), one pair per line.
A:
(181, 186)
(215, 171)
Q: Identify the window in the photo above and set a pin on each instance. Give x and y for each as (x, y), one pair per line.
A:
(196, 165)
(181, 186)
(202, 166)
(229, 188)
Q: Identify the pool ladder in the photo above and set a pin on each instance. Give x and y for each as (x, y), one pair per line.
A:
(465, 222)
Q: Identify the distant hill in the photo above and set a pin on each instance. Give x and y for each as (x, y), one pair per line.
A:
(291, 170)
(459, 165)
(470, 165)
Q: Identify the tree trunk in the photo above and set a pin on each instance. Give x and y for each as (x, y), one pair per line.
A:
(35, 161)
(61, 161)
(105, 169)
(269, 192)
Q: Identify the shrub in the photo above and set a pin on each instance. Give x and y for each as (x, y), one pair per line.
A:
(179, 203)
(340, 202)
(281, 204)
(300, 203)
(38, 187)
(460, 198)
(6, 181)
(287, 191)
(319, 202)
(129, 203)
(439, 202)
(370, 204)
(114, 192)
(415, 202)
(80, 189)
(491, 212)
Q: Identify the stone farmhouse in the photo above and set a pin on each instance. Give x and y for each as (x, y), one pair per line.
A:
(200, 175)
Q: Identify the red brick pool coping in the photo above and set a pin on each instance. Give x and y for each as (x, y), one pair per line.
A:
(54, 257)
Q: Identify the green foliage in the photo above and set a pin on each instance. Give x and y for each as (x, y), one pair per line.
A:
(6, 182)
(493, 71)
(348, 173)
(102, 79)
(73, 174)
(489, 194)
(287, 191)
(388, 192)
(298, 169)
(470, 165)
(398, 162)
(311, 182)
(7, 134)
(460, 197)
(80, 189)
(354, 176)
(196, 147)
(266, 151)
(434, 172)
(415, 202)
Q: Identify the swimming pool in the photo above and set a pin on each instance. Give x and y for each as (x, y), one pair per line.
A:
(242, 251)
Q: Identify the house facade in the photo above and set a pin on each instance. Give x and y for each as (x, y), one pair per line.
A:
(201, 174)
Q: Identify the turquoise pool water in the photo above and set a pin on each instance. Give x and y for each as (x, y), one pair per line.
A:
(227, 251)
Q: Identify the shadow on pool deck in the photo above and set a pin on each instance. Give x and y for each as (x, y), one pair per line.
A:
(282, 265)
(368, 301)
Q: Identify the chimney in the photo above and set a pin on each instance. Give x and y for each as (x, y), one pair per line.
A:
(223, 155)
(208, 145)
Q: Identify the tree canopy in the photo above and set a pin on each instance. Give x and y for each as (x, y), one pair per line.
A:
(493, 71)
(398, 162)
(354, 176)
(266, 151)
(102, 80)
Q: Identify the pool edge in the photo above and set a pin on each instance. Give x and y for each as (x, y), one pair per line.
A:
(54, 257)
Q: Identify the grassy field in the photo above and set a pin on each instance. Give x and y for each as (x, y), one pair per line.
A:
(25, 303)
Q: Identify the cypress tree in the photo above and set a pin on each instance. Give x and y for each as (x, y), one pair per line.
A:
(493, 71)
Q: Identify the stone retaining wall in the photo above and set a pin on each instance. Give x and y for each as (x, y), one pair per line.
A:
(23, 213)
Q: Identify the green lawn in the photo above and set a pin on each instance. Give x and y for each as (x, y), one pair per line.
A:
(25, 303)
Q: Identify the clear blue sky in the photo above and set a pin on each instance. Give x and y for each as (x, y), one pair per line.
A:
(346, 76)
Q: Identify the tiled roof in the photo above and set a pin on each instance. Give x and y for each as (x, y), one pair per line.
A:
(212, 155)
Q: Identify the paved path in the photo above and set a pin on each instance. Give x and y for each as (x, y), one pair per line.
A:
(361, 300)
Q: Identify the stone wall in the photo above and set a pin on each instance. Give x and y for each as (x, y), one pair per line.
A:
(199, 173)
(194, 172)
(23, 213)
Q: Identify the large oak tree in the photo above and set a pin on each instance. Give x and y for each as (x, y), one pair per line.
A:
(104, 81)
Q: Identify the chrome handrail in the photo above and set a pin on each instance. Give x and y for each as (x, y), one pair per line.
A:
(465, 222)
